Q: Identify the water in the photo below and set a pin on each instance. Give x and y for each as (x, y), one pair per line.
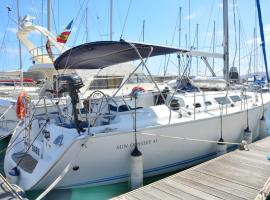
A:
(92, 193)
(3, 145)
(100, 192)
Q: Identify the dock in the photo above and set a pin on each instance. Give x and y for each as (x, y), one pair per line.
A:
(7, 192)
(238, 175)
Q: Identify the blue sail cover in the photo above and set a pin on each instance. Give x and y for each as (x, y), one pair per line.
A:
(97, 55)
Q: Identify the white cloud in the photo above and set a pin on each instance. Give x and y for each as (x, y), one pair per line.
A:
(192, 16)
(207, 34)
(258, 38)
(74, 29)
(12, 30)
(15, 30)
(14, 52)
(33, 9)
(267, 33)
(220, 5)
(251, 41)
(220, 32)
(231, 5)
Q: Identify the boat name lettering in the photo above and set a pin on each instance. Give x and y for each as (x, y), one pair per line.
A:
(140, 143)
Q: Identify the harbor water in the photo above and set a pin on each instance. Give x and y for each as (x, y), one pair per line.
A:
(91, 193)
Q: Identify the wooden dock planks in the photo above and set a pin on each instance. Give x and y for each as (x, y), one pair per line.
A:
(6, 190)
(238, 175)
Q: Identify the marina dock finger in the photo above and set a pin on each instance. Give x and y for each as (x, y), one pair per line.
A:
(237, 175)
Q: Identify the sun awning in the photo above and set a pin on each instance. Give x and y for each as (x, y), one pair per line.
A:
(97, 55)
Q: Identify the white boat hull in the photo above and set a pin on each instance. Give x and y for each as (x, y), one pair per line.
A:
(105, 159)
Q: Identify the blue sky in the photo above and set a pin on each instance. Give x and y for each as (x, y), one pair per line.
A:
(161, 24)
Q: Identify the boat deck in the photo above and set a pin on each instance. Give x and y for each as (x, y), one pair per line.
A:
(7, 192)
(238, 175)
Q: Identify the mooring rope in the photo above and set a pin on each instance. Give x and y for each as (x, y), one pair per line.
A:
(59, 178)
(193, 139)
(263, 192)
(62, 174)
(11, 142)
(6, 111)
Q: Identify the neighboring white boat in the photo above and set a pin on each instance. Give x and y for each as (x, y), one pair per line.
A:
(209, 83)
(42, 63)
(96, 140)
(10, 84)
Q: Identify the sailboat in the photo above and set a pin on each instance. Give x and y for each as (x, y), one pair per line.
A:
(89, 142)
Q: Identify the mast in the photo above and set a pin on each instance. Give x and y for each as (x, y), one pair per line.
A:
(189, 43)
(197, 45)
(165, 61)
(111, 21)
(143, 30)
(186, 41)
(49, 15)
(239, 51)
(262, 38)
(86, 24)
(180, 26)
(214, 43)
(254, 49)
(20, 46)
(179, 40)
(226, 40)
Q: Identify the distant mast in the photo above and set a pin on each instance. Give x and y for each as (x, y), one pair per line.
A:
(49, 15)
(20, 47)
(197, 46)
(143, 30)
(179, 39)
(214, 43)
(86, 25)
(180, 27)
(111, 20)
(262, 38)
(226, 40)
(239, 51)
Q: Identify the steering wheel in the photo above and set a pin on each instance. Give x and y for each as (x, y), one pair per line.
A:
(98, 103)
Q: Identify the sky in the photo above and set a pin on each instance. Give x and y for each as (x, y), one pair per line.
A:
(161, 27)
